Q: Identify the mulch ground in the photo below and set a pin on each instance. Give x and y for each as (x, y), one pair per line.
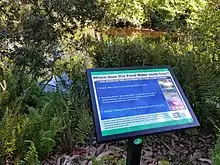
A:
(176, 148)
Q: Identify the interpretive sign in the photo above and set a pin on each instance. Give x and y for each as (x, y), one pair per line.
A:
(131, 102)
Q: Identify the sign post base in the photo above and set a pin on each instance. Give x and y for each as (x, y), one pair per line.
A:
(134, 151)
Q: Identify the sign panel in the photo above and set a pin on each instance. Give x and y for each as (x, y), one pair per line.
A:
(129, 102)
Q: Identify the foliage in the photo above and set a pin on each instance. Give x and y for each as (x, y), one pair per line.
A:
(76, 118)
(162, 14)
(11, 132)
(216, 153)
(31, 157)
(30, 31)
(172, 15)
(196, 75)
(49, 120)
(205, 37)
(31, 35)
(42, 127)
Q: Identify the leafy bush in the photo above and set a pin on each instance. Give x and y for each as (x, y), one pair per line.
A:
(37, 123)
(196, 74)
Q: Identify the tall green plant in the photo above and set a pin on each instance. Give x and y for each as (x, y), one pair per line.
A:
(76, 118)
(60, 123)
(42, 126)
(31, 156)
(11, 132)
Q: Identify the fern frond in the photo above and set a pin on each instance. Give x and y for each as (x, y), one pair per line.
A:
(83, 127)
(31, 156)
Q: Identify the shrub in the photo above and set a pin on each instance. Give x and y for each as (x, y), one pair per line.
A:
(60, 122)
(35, 123)
(195, 72)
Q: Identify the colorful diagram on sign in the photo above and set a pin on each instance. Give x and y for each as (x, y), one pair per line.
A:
(135, 100)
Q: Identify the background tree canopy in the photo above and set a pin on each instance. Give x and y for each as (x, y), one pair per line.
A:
(30, 31)
(161, 14)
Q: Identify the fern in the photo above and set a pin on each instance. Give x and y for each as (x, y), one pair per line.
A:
(11, 131)
(83, 127)
(31, 156)
(216, 153)
(42, 127)
(47, 141)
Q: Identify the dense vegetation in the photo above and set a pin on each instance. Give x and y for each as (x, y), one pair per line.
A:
(48, 40)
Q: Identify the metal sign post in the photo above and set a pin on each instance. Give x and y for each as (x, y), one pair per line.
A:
(134, 151)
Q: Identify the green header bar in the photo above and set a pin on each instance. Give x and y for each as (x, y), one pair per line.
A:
(128, 71)
(147, 126)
